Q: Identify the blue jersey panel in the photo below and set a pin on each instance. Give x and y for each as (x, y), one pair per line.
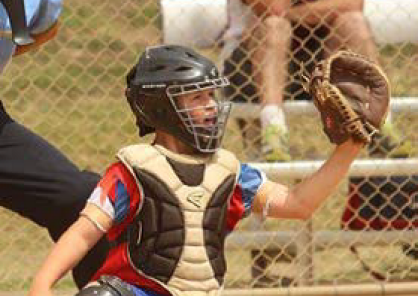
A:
(250, 180)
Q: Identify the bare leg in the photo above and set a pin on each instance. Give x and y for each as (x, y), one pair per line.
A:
(271, 43)
(351, 30)
(268, 51)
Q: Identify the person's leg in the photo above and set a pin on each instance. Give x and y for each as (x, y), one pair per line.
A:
(38, 182)
(351, 30)
(268, 48)
(238, 68)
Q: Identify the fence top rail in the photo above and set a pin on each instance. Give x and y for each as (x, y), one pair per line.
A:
(322, 239)
(360, 167)
(377, 289)
(248, 110)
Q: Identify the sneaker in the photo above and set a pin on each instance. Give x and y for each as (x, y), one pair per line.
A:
(388, 144)
(275, 144)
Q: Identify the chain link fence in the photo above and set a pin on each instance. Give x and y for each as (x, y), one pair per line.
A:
(71, 91)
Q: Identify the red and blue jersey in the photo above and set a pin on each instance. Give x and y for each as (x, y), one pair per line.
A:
(120, 196)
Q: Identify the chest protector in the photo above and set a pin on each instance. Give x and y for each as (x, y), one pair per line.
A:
(179, 232)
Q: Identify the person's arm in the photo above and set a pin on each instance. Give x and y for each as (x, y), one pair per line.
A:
(314, 12)
(70, 249)
(265, 8)
(279, 201)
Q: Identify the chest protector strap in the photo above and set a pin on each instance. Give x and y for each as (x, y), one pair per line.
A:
(178, 237)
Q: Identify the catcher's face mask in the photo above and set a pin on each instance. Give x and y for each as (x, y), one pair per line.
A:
(203, 112)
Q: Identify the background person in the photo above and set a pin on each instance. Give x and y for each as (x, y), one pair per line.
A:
(36, 180)
(265, 45)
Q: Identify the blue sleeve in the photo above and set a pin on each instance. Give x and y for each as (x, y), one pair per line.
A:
(7, 47)
(250, 180)
(40, 16)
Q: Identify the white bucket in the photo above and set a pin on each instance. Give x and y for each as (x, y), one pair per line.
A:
(393, 21)
(193, 22)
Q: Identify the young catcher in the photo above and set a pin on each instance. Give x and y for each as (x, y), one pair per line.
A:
(168, 207)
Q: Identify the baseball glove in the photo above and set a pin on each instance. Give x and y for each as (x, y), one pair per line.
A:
(352, 95)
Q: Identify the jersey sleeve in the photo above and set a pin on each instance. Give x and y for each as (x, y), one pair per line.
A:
(42, 16)
(249, 182)
(118, 195)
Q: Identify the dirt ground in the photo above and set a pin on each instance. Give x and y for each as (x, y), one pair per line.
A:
(23, 293)
(73, 293)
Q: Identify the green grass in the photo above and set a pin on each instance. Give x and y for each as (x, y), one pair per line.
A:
(71, 92)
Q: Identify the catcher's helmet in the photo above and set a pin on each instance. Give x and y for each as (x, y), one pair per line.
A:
(162, 74)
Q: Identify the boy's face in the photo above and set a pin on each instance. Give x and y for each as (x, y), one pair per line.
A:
(201, 106)
(203, 114)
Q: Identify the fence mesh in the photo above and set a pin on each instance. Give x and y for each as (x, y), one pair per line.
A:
(71, 91)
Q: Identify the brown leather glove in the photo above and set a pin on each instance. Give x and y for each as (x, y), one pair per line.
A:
(352, 94)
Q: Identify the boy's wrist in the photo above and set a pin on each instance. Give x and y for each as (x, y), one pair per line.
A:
(351, 147)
